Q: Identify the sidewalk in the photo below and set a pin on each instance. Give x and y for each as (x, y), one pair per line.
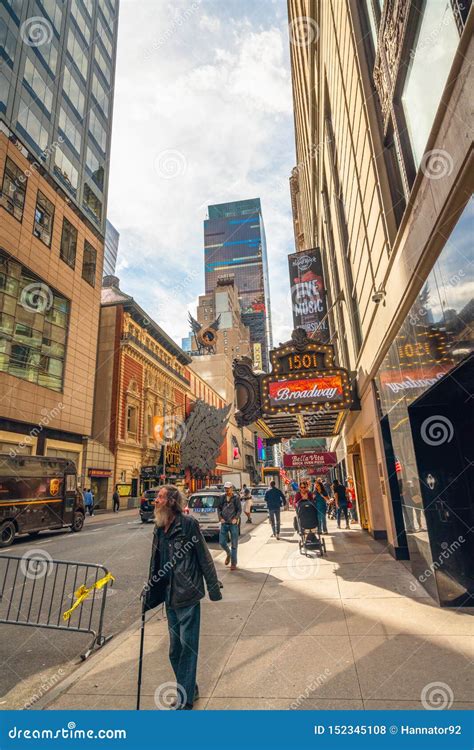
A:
(350, 631)
(109, 514)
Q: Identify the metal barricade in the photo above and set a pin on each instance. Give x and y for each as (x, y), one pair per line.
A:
(36, 591)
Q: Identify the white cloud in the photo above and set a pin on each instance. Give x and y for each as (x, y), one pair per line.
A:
(210, 23)
(225, 114)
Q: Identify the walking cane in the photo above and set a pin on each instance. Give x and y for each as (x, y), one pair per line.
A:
(140, 660)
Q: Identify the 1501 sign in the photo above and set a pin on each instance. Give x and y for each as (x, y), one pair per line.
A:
(307, 361)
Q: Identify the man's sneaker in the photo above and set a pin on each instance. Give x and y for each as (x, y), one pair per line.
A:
(233, 567)
(278, 536)
(227, 559)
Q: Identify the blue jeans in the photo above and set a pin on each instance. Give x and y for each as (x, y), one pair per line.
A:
(343, 511)
(322, 524)
(233, 530)
(183, 626)
(275, 520)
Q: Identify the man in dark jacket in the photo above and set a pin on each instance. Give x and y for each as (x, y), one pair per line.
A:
(275, 501)
(180, 562)
(230, 510)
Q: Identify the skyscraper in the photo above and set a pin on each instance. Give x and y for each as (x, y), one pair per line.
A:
(235, 247)
(56, 85)
(56, 92)
(112, 237)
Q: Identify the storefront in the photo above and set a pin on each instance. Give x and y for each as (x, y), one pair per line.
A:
(424, 390)
(99, 484)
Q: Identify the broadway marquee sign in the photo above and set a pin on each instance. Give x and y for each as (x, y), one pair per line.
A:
(306, 394)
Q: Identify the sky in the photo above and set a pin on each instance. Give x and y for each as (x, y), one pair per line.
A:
(202, 114)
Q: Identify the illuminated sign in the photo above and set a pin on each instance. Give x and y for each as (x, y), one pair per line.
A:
(257, 356)
(313, 458)
(308, 294)
(99, 472)
(173, 456)
(295, 392)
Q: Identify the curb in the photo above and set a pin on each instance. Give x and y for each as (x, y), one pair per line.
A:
(85, 667)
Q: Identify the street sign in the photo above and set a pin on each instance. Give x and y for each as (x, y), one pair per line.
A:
(306, 460)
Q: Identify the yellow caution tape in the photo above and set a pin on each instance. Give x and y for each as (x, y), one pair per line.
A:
(83, 592)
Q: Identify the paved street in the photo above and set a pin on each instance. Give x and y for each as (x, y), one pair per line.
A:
(30, 657)
(352, 630)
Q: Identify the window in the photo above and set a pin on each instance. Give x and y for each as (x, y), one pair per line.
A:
(89, 263)
(131, 421)
(39, 84)
(100, 94)
(104, 37)
(97, 130)
(78, 54)
(33, 326)
(32, 127)
(95, 168)
(49, 54)
(54, 11)
(92, 203)
(73, 91)
(80, 20)
(102, 64)
(65, 170)
(68, 243)
(13, 189)
(70, 130)
(44, 215)
(430, 61)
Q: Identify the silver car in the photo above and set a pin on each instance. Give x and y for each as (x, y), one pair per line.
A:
(203, 506)
(258, 497)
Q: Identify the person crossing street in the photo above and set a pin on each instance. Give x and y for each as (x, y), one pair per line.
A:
(230, 510)
(275, 501)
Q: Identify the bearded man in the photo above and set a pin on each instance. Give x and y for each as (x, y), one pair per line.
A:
(180, 562)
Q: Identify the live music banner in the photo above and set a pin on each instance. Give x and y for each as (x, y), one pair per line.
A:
(308, 293)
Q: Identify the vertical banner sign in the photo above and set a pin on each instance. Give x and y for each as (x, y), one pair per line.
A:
(308, 293)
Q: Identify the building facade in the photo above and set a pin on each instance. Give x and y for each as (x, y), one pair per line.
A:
(383, 185)
(51, 240)
(56, 91)
(235, 246)
(233, 335)
(112, 237)
(142, 375)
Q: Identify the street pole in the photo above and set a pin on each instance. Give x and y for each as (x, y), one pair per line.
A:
(165, 405)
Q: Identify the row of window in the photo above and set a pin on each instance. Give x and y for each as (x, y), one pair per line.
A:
(12, 198)
(33, 326)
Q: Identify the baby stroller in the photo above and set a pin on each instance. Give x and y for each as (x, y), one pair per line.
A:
(306, 524)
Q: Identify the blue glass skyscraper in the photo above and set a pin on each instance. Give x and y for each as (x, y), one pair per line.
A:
(235, 246)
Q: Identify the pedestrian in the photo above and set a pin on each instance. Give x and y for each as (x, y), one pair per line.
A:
(351, 495)
(303, 492)
(88, 500)
(275, 501)
(230, 510)
(180, 563)
(341, 503)
(116, 500)
(247, 501)
(321, 500)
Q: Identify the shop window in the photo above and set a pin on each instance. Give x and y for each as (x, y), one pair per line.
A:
(89, 263)
(430, 59)
(44, 216)
(13, 189)
(68, 247)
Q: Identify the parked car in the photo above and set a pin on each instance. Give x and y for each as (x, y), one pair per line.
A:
(258, 497)
(203, 505)
(147, 505)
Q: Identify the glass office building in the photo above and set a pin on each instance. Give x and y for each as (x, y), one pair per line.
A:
(235, 246)
(56, 90)
(112, 237)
